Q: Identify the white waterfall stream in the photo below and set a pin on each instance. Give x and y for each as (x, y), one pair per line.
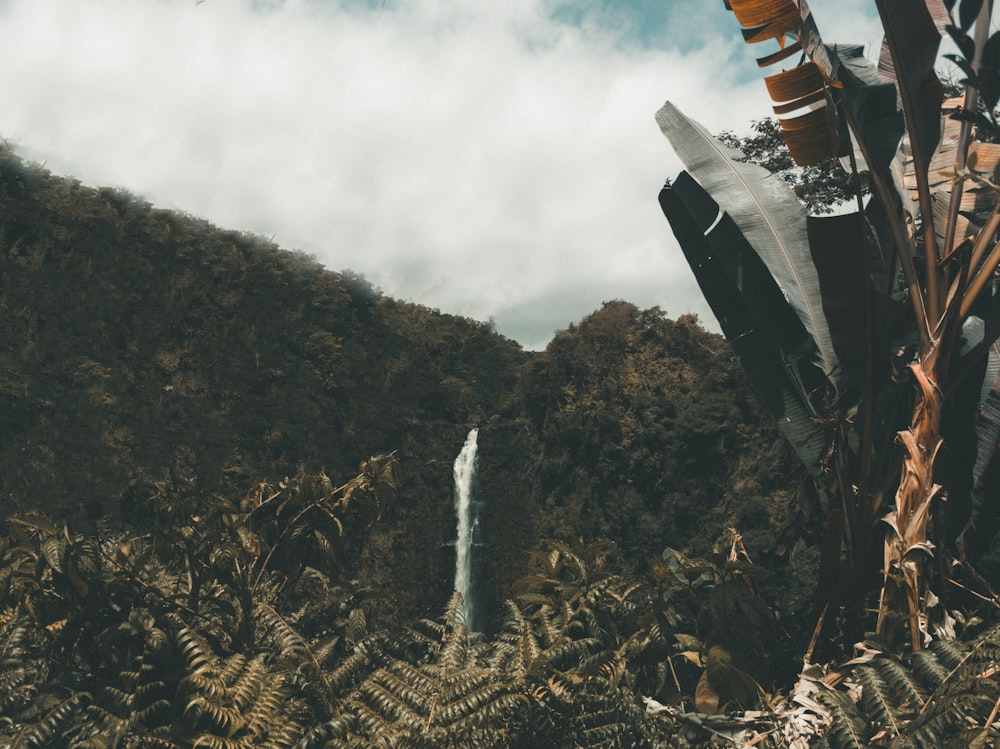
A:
(465, 476)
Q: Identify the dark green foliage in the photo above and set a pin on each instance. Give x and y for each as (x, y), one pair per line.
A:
(190, 637)
(938, 697)
(847, 728)
(651, 437)
(265, 649)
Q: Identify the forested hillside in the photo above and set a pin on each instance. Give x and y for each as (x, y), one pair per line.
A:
(145, 353)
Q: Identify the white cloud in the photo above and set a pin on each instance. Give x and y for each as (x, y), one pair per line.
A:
(479, 158)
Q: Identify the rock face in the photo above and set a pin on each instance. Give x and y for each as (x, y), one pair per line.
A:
(143, 350)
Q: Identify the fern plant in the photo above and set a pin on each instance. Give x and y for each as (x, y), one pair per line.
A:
(439, 688)
(944, 696)
(197, 635)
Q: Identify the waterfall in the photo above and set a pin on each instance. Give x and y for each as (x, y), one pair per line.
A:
(468, 522)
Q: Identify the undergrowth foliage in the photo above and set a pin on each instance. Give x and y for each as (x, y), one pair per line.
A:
(218, 629)
(947, 695)
(230, 625)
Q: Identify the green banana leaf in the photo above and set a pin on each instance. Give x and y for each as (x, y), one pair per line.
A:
(769, 216)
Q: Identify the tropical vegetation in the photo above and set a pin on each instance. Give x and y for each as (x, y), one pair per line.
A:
(179, 569)
(869, 334)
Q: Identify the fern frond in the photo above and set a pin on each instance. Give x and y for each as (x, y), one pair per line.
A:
(949, 652)
(908, 690)
(247, 684)
(847, 727)
(294, 647)
(571, 653)
(220, 718)
(928, 668)
(14, 635)
(150, 714)
(336, 728)
(454, 611)
(197, 654)
(454, 653)
(357, 624)
(120, 700)
(152, 742)
(499, 713)
(413, 676)
(595, 664)
(465, 703)
(551, 629)
(417, 700)
(939, 724)
(388, 705)
(455, 685)
(17, 688)
(49, 729)
(108, 724)
(285, 736)
(370, 722)
(349, 673)
(605, 734)
(232, 668)
(877, 700)
(210, 741)
(269, 707)
(325, 652)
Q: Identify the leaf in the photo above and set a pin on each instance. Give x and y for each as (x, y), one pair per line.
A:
(766, 211)
(977, 119)
(846, 725)
(966, 67)
(688, 642)
(989, 87)
(765, 19)
(987, 439)
(748, 275)
(764, 363)
(963, 41)
(967, 13)
(909, 52)
(991, 51)
(52, 550)
(871, 103)
(837, 245)
(706, 699)
(813, 136)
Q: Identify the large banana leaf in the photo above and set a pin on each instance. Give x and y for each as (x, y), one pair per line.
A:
(909, 53)
(734, 256)
(870, 101)
(737, 305)
(767, 213)
(837, 245)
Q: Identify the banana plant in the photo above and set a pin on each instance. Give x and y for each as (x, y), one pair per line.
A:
(871, 334)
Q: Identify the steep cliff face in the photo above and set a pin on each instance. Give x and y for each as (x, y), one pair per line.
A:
(146, 351)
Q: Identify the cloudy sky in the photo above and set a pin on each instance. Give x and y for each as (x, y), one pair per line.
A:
(491, 159)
